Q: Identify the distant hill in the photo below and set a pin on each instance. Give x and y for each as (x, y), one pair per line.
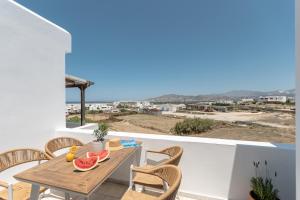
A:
(231, 95)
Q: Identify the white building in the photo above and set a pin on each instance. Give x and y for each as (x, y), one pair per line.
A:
(67, 112)
(143, 104)
(73, 108)
(247, 100)
(291, 99)
(171, 107)
(32, 61)
(115, 104)
(132, 104)
(275, 99)
(100, 107)
(223, 101)
(93, 107)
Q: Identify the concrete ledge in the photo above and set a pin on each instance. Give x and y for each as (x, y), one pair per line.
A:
(215, 169)
(86, 130)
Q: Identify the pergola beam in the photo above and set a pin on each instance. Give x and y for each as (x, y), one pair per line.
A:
(75, 82)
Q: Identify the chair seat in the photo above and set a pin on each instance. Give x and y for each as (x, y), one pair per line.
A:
(133, 195)
(21, 191)
(148, 180)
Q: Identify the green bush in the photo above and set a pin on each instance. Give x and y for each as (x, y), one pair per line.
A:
(262, 186)
(74, 119)
(192, 126)
(94, 111)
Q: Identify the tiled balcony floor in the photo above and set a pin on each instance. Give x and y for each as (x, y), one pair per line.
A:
(108, 191)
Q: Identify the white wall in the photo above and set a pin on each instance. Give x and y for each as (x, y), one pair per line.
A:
(215, 168)
(297, 46)
(32, 77)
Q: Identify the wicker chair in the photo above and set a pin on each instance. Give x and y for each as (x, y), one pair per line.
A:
(169, 174)
(174, 154)
(60, 143)
(20, 190)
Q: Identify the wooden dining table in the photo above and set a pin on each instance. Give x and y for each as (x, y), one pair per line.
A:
(58, 174)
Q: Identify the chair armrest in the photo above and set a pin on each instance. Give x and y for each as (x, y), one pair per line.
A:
(163, 152)
(49, 156)
(153, 151)
(4, 184)
(143, 169)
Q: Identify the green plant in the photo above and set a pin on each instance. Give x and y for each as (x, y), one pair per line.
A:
(123, 110)
(101, 132)
(192, 126)
(74, 119)
(263, 187)
(94, 111)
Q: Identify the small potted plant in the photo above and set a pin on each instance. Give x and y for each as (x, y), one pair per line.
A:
(99, 134)
(262, 187)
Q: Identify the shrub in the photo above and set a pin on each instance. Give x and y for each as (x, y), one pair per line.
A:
(263, 187)
(74, 119)
(192, 126)
(94, 111)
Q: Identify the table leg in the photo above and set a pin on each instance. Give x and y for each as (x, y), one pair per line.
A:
(10, 192)
(35, 192)
(67, 196)
(137, 157)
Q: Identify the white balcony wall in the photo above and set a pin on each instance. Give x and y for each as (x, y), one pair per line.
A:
(215, 168)
(297, 48)
(32, 68)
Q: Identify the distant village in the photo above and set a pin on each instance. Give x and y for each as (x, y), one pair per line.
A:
(119, 106)
(205, 106)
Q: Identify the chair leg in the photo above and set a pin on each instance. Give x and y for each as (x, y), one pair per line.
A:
(146, 157)
(142, 188)
(131, 177)
(10, 192)
(67, 196)
(177, 197)
(52, 196)
(165, 186)
(35, 192)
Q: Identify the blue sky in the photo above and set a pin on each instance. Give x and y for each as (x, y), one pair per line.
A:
(136, 49)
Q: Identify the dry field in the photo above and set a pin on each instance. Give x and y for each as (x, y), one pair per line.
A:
(273, 119)
(253, 133)
(159, 124)
(272, 127)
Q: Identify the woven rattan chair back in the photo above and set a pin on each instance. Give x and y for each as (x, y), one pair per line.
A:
(60, 143)
(172, 176)
(175, 154)
(19, 156)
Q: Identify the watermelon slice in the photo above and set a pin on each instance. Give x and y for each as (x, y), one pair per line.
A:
(85, 164)
(101, 155)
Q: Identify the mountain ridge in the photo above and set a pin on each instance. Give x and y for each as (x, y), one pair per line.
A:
(230, 95)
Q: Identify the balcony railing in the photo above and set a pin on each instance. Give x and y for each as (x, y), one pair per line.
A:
(214, 168)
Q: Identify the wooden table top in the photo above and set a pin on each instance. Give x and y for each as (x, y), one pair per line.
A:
(59, 174)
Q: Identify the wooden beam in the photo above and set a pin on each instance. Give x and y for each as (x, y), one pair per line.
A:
(82, 101)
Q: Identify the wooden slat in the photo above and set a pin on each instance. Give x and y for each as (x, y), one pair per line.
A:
(21, 191)
(60, 174)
